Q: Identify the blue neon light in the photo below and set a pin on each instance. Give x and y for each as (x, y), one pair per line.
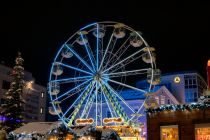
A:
(88, 25)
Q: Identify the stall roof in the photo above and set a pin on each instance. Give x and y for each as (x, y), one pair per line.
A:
(36, 127)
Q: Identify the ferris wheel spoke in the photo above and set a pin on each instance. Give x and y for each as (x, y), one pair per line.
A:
(88, 112)
(79, 105)
(122, 48)
(72, 67)
(104, 55)
(88, 103)
(125, 85)
(96, 92)
(119, 56)
(92, 54)
(79, 57)
(79, 97)
(101, 107)
(102, 48)
(126, 73)
(108, 57)
(115, 93)
(115, 104)
(97, 47)
(71, 90)
(75, 79)
(127, 58)
(128, 61)
(72, 94)
(118, 53)
(140, 108)
(73, 104)
(107, 102)
(89, 52)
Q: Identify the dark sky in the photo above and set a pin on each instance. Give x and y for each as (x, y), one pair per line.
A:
(179, 31)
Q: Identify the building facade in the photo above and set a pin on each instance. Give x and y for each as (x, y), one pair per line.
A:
(34, 95)
(179, 122)
(186, 87)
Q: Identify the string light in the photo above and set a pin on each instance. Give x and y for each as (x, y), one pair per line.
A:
(184, 107)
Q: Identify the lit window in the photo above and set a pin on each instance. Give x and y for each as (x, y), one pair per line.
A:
(169, 132)
(202, 131)
(157, 99)
(42, 94)
(41, 110)
(29, 84)
(162, 99)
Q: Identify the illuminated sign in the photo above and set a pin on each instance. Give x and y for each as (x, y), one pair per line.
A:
(85, 121)
(111, 120)
(177, 79)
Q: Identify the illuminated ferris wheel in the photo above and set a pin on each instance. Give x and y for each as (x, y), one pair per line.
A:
(93, 68)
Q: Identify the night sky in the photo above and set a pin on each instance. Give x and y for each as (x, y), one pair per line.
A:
(179, 31)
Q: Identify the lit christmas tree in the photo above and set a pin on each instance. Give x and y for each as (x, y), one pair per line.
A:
(12, 110)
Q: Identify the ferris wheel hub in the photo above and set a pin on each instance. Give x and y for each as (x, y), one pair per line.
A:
(97, 76)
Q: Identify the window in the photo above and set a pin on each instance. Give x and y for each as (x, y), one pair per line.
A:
(41, 110)
(194, 86)
(189, 96)
(157, 99)
(195, 95)
(169, 132)
(190, 81)
(5, 84)
(168, 101)
(186, 82)
(194, 81)
(202, 131)
(162, 99)
(42, 94)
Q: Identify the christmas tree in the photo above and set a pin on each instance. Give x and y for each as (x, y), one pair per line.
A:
(12, 110)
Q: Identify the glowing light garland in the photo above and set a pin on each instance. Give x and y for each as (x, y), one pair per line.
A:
(180, 107)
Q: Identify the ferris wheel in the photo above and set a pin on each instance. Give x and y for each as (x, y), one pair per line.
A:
(93, 68)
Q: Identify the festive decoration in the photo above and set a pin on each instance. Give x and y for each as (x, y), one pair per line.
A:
(191, 106)
(85, 121)
(112, 120)
(12, 110)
